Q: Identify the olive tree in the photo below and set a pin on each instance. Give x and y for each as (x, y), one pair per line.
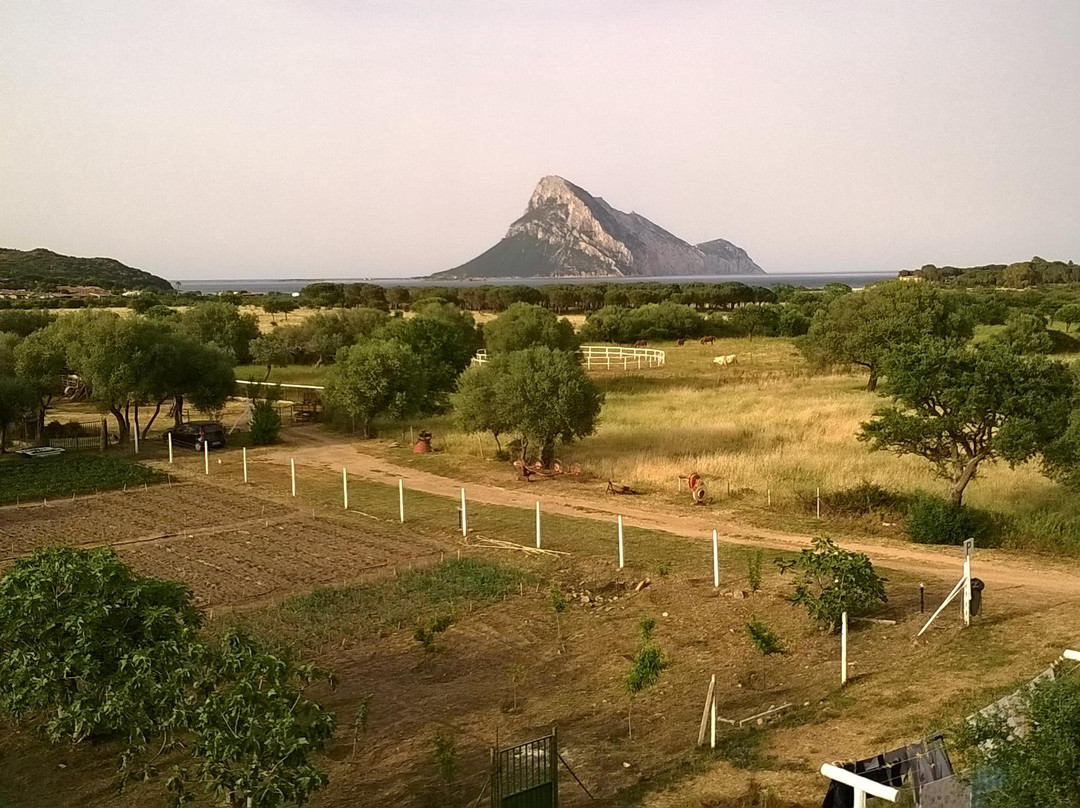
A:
(863, 327)
(376, 378)
(541, 395)
(524, 325)
(959, 407)
(832, 581)
(16, 400)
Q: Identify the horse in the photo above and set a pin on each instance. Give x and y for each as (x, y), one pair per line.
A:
(641, 343)
(708, 340)
(730, 359)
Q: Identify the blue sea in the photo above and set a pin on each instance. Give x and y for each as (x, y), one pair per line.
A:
(290, 285)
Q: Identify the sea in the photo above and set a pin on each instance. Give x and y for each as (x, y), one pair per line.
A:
(811, 280)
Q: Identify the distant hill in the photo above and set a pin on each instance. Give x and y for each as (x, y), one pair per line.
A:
(43, 270)
(568, 233)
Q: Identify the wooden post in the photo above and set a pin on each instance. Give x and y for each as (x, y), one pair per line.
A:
(206, 455)
(345, 487)
(621, 559)
(712, 734)
(705, 712)
(464, 517)
(715, 562)
(401, 500)
(245, 464)
(170, 446)
(843, 648)
(537, 524)
(292, 472)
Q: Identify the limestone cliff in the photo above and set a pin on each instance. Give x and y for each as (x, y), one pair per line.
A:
(567, 232)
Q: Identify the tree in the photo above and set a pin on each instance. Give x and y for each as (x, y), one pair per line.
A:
(95, 650)
(1026, 333)
(274, 304)
(269, 349)
(24, 322)
(862, 328)
(222, 325)
(645, 668)
(40, 361)
(524, 325)
(444, 338)
(1068, 314)
(376, 378)
(958, 407)
(1035, 766)
(755, 320)
(542, 395)
(16, 400)
(833, 581)
(765, 641)
(474, 404)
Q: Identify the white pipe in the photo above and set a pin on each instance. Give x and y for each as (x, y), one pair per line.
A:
(136, 433)
(245, 464)
(537, 524)
(715, 561)
(206, 454)
(843, 649)
(621, 559)
(1073, 655)
(712, 734)
(969, 545)
(860, 784)
(401, 500)
(169, 436)
(345, 487)
(292, 472)
(941, 608)
(464, 518)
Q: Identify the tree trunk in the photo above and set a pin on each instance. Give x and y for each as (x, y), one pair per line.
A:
(267, 376)
(3, 438)
(547, 453)
(524, 451)
(178, 410)
(121, 422)
(871, 384)
(150, 423)
(956, 496)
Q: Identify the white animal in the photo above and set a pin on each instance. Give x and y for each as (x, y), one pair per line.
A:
(730, 359)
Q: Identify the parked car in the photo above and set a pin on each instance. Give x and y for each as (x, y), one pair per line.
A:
(195, 433)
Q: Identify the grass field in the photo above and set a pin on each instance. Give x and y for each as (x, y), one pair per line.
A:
(26, 479)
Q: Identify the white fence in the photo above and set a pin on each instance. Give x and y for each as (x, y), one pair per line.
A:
(606, 357)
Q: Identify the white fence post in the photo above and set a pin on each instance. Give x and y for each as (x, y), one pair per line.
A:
(169, 436)
(464, 518)
(621, 558)
(843, 648)
(715, 561)
(712, 734)
(136, 433)
(861, 785)
(245, 464)
(401, 500)
(537, 524)
(345, 487)
(292, 473)
(206, 455)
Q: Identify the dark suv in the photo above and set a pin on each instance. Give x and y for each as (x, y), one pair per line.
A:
(194, 433)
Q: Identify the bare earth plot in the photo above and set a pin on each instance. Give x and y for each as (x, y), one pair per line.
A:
(511, 670)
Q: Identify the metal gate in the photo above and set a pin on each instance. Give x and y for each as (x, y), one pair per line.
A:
(526, 775)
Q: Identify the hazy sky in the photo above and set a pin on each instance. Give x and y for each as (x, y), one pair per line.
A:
(306, 138)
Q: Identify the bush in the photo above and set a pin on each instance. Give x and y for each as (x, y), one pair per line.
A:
(833, 581)
(859, 500)
(265, 424)
(933, 520)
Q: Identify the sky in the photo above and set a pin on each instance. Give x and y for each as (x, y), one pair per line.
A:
(327, 138)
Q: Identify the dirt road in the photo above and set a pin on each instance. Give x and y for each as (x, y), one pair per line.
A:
(998, 569)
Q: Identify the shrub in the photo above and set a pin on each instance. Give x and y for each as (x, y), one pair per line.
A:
(753, 571)
(858, 500)
(265, 424)
(833, 581)
(933, 520)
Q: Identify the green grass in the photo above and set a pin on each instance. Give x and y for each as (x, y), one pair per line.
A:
(24, 479)
(411, 598)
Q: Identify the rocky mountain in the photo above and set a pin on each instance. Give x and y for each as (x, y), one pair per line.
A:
(567, 232)
(45, 270)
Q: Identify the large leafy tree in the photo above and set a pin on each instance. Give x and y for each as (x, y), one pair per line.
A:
(524, 325)
(222, 325)
(1037, 765)
(376, 378)
(959, 407)
(542, 395)
(40, 361)
(863, 327)
(16, 400)
(93, 650)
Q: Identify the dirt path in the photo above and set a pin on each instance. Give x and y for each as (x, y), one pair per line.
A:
(998, 569)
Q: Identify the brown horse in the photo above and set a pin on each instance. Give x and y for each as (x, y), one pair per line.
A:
(641, 343)
(681, 342)
(707, 340)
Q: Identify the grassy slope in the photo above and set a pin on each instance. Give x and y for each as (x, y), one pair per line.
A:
(43, 268)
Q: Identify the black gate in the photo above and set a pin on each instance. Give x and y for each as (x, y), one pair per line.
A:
(526, 775)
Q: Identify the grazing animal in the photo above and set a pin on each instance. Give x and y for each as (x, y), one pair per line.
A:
(707, 340)
(681, 342)
(730, 359)
(641, 343)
